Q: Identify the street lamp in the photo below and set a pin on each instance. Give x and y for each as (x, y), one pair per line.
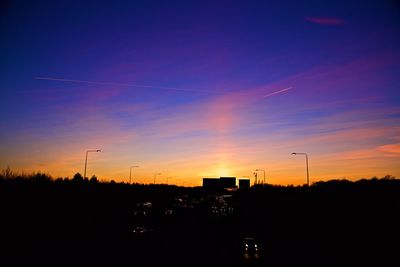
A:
(130, 173)
(260, 170)
(295, 153)
(155, 177)
(87, 151)
(168, 178)
(255, 178)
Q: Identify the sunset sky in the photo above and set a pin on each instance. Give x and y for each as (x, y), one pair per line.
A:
(193, 89)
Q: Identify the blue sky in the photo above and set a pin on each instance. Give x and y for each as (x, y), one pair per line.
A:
(196, 88)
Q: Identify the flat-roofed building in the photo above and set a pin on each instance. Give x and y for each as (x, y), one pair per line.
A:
(211, 183)
(222, 182)
(244, 183)
(228, 182)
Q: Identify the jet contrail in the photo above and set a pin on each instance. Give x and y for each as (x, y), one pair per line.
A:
(144, 86)
(119, 84)
(277, 92)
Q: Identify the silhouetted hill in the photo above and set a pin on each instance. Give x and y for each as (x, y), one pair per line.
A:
(78, 222)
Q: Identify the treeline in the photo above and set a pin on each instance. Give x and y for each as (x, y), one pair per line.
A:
(87, 222)
(9, 178)
(8, 175)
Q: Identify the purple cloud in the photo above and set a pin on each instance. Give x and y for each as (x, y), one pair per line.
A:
(330, 21)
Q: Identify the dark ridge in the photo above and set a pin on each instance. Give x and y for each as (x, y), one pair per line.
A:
(84, 222)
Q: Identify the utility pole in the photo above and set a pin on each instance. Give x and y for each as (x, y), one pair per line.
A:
(296, 153)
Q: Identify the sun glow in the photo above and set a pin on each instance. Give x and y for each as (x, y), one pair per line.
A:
(223, 171)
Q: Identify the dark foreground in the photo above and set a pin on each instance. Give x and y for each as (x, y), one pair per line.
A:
(60, 223)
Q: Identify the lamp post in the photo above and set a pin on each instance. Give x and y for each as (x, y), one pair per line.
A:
(168, 178)
(155, 177)
(260, 170)
(87, 151)
(296, 153)
(130, 173)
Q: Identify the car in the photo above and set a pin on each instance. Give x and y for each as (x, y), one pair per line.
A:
(139, 230)
(143, 209)
(168, 212)
(250, 245)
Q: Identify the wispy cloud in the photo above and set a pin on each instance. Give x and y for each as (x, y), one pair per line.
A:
(234, 131)
(390, 148)
(330, 21)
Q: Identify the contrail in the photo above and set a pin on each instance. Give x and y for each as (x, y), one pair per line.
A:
(145, 86)
(119, 84)
(277, 92)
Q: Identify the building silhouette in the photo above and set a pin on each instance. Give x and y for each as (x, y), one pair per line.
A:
(222, 182)
(211, 182)
(244, 183)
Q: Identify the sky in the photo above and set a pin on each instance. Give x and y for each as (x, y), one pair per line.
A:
(194, 89)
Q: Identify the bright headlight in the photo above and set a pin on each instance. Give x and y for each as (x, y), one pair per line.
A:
(247, 245)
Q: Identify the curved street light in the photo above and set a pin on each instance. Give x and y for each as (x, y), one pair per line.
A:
(87, 151)
(302, 153)
(130, 173)
(260, 170)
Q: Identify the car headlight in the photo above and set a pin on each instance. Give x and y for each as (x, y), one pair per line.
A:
(247, 245)
(255, 245)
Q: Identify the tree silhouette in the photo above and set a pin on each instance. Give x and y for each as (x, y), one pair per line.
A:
(7, 173)
(94, 180)
(78, 178)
